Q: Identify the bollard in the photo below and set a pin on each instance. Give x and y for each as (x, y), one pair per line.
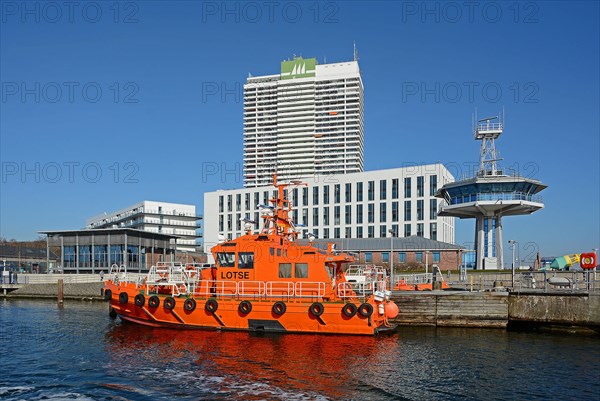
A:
(471, 280)
(60, 291)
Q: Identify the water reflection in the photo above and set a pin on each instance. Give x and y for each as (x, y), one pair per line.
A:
(305, 365)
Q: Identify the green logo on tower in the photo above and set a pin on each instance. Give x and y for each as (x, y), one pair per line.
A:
(298, 68)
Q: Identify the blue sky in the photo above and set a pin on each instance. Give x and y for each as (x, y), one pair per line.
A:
(106, 104)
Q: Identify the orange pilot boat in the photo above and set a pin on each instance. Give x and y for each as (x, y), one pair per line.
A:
(261, 282)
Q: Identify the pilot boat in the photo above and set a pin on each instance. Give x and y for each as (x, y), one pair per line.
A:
(266, 281)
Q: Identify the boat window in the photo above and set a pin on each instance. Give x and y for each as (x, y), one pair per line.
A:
(285, 270)
(272, 251)
(226, 259)
(278, 252)
(301, 270)
(246, 260)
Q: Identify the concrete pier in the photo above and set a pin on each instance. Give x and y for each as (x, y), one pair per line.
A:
(85, 291)
(498, 309)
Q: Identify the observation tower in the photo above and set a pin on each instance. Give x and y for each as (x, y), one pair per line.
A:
(490, 195)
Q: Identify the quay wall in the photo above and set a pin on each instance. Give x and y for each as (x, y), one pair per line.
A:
(86, 291)
(498, 309)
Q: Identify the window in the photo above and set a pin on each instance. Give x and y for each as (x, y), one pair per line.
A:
(359, 232)
(256, 219)
(348, 211)
(226, 259)
(238, 202)
(420, 209)
(433, 209)
(325, 216)
(385, 257)
(246, 260)
(220, 204)
(371, 232)
(247, 202)
(315, 216)
(325, 233)
(432, 185)
(371, 190)
(229, 224)
(394, 211)
(382, 189)
(238, 221)
(285, 270)
(402, 257)
(407, 187)
(304, 196)
(407, 211)
(315, 195)
(407, 230)
(336, 193)
(420, 186)
(229, 202)
(368, 257)
(436, 257)
(266, 197)
(316, 232)
(305, 216)
(301, 270)
(336, 232)
(419, 229)
(348, 233)
(336, 215)
(371, 213)
(382, 231)
(419, 256)
(326, 194)
(395, 188)
(348, 192)
(359, 214)
(382, 212)
(295, 201)
(433, 231)
(221, 223)
(395, 230)
(256, 199)
(359, 191)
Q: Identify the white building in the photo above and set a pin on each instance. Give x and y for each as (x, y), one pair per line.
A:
(158, 217)
(306, 120)
(358, 205)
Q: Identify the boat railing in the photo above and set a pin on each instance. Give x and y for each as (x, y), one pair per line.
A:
(279, 289)
(413, 279)
(347, 290)
(309, 289)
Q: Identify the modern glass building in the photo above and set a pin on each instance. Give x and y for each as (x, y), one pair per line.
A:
(96, 250)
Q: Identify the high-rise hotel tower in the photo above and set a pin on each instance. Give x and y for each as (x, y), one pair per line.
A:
(307, 120)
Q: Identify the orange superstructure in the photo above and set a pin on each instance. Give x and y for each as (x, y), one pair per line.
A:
(260, 282)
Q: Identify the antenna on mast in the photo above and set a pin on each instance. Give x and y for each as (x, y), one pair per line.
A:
(355, 52)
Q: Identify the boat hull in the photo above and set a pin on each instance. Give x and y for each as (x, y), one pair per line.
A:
(297, 317)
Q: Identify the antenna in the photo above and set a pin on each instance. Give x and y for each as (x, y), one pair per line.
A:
(355, 52)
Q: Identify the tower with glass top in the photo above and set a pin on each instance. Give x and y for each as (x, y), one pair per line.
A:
(490, 195)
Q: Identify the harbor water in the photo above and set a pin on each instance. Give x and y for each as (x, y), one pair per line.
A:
(78, 352)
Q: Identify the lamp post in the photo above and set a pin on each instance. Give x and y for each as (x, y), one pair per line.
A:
(426, 262)
(512, 243)
(393, 233)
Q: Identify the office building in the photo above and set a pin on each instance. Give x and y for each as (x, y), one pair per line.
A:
(359, 205)
(176, 219)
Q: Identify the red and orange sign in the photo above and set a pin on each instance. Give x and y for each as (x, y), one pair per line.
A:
(588, 260)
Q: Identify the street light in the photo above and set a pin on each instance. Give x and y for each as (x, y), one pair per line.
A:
(393, 233)
(512, 243)
(426, 262)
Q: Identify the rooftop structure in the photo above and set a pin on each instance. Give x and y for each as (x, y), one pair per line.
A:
(175, 219)
(490, 195)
